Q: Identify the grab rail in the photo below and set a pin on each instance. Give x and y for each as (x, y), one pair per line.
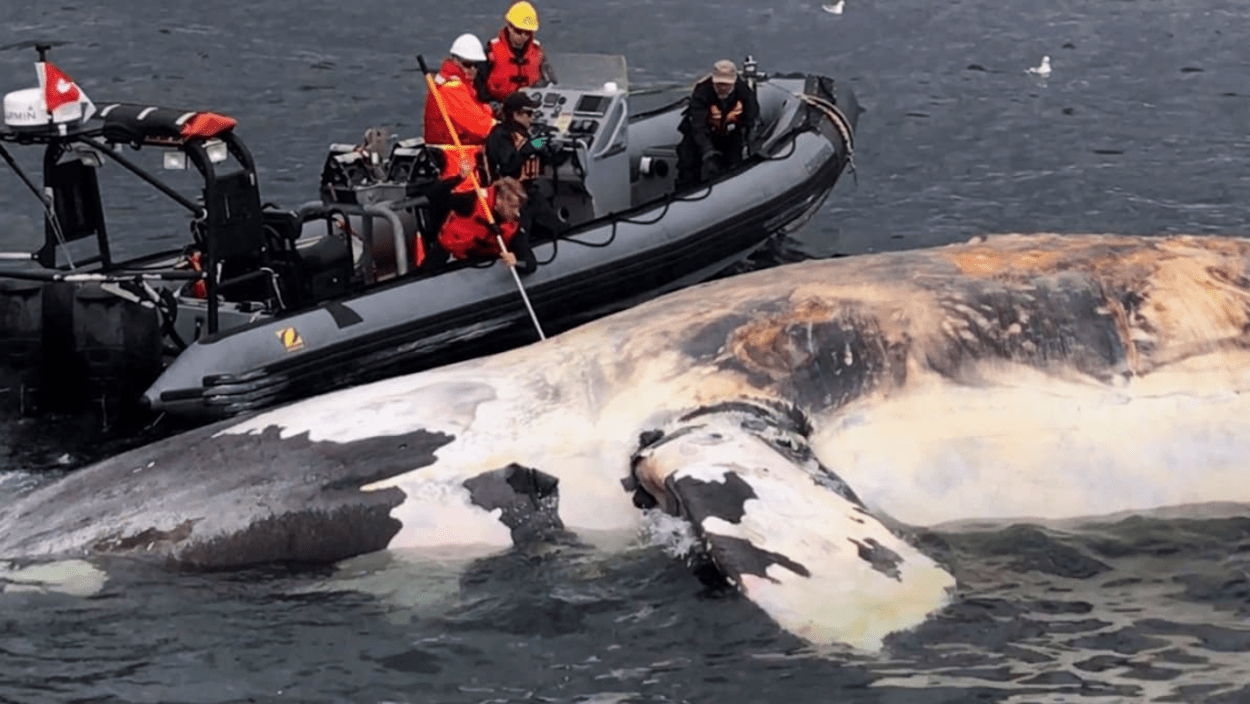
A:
(367, 212)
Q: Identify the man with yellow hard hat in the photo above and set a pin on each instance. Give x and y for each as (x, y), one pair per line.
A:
(514, 59)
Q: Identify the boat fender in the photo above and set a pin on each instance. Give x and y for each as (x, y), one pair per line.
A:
(651, 166)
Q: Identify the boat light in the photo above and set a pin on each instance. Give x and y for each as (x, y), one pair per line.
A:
(174, 159)
(88, 156)
(217, 150)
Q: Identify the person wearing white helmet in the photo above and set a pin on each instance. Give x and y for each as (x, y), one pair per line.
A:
(470, 117)
(514, 59)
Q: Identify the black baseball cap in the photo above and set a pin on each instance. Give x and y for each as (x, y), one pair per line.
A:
(517, 100)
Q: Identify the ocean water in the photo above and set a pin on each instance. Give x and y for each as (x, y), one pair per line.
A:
(1141, 128)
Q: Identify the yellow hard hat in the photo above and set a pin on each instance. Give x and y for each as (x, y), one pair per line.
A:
(523, 16)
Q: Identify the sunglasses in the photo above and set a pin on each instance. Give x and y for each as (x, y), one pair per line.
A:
(526, 111)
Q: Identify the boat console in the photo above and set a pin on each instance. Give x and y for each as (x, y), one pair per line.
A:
(589, 132)
(586, 114)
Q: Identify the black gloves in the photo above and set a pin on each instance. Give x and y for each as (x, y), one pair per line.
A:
(712, 164)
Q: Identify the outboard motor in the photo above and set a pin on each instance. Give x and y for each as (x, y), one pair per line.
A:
(117, 342)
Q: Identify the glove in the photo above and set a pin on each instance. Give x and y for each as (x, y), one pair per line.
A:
(711, 165)
(538, 142)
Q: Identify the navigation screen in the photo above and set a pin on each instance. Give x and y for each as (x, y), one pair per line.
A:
(592, 104)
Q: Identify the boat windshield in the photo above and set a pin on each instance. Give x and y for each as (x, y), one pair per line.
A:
(588, 71)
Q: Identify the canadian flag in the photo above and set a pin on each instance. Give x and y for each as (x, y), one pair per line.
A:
(60, 91)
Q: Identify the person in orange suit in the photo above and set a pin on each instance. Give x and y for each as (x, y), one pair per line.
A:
(471, 118)
(467, 233)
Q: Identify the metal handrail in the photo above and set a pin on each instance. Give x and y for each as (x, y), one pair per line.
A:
(385, 209)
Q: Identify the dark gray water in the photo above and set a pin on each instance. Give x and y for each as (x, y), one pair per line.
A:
(1141, 128)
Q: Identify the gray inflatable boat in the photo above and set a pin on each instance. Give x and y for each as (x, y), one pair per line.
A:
(265, 304)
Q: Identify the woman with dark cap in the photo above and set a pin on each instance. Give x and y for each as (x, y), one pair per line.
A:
(512, 151)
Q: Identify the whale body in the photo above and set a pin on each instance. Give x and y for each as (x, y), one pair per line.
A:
(803, 419)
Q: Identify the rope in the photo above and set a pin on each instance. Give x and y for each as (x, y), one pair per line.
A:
(839, 120)
(45, 199)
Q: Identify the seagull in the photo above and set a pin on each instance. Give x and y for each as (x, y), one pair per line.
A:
(1044, 69)
(835, 8)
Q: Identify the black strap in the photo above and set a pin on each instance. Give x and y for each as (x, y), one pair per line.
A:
(343, 316)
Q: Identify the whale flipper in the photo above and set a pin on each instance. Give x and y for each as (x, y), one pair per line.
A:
(818, 562)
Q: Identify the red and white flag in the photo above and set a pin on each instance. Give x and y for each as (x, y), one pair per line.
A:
(60, 91)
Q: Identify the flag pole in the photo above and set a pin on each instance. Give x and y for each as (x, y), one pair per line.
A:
(477, 189)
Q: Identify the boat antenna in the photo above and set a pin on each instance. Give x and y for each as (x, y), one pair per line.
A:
(43, 50)
(750, 70)
(477, 188)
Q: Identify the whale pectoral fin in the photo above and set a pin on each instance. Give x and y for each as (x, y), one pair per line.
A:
(820, 564)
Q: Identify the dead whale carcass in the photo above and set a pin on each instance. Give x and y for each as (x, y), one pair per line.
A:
(791, 415)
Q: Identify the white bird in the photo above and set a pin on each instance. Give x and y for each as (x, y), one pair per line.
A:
(1042, 70)
(835, 8)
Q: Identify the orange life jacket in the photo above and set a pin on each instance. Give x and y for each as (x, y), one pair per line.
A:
(531, 167)
(454, 159)
(509, 72)
(470, 236)
(719, 122)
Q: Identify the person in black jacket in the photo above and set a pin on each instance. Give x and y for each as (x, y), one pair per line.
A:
(717, 127)
(511, 150)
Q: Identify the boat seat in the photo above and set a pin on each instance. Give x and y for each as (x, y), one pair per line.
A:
(75, 195)
(327, 266)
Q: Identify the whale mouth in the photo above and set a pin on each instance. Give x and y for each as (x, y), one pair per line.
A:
(775, 524)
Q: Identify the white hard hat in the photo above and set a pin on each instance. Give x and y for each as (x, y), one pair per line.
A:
(468, 47)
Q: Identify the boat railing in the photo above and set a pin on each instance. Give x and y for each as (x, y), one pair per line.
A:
(389, 210)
